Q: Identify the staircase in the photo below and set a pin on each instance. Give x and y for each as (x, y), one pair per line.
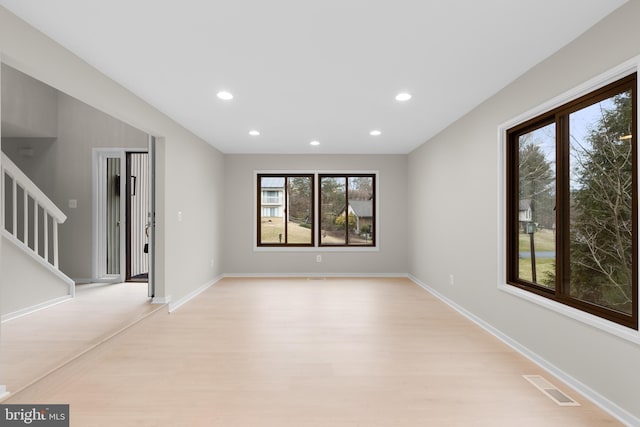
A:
(31, 278)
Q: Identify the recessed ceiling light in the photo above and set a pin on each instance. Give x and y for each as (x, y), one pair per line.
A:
(314, 143)
(224, 95)
(403, 96)
(254, 133)
(375, 133)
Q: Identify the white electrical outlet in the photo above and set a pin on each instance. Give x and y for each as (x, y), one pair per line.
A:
(451, 279)
(318, 258)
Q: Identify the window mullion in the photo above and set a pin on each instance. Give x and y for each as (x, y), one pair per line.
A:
(285, 209)
(563, 234)
(346, 210)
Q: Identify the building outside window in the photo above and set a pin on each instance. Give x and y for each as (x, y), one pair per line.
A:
(344, 204)
(285, 210)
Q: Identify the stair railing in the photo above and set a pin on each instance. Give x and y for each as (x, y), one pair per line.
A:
(29, 215)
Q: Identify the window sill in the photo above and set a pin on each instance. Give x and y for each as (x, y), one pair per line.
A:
(316, 249)
(612, 328)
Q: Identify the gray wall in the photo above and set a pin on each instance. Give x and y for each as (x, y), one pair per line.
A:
(193, 186)
(61, 164)
(40, 287)
(240, 256)
(190, 171)
(82, 128)
(29, 106)
(454, 206)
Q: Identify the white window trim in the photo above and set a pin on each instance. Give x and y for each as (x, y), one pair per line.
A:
(610, 76)
(316, 247)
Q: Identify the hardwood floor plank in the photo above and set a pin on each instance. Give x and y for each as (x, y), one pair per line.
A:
(294, 352)
(40, 342)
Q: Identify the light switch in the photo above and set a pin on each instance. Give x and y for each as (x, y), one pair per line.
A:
(73, 203)
(179, 216)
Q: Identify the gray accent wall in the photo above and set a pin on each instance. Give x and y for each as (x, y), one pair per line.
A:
(240, 257)
(454, 210)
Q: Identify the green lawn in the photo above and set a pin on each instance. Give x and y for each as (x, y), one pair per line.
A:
(544, 241)
(544, 267)
(271, 228)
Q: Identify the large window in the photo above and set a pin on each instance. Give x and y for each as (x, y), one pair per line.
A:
(285, 210)
(572, 204)
(347, 210)
(343, 204)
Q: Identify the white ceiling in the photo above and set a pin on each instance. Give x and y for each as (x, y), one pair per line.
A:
(326, 70)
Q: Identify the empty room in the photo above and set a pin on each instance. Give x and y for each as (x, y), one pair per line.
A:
(337, 213)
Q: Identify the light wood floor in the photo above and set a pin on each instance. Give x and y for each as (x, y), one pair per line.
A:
(296, 352)
(33, 345)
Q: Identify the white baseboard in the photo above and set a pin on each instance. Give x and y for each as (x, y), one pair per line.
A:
(303, 275)
(23, 312)
(161, 300)
(3, 392)
(83, 280)
(612, 408)
(173, 306)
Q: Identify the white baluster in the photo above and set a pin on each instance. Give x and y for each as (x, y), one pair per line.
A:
(14, 219)
(36, 237)
(46, 236)
(26, 218)
(49, 209)
(55, 243)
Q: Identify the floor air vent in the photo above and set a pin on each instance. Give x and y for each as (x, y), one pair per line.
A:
(550, 390)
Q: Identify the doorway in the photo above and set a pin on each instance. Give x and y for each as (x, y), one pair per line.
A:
(122, 207)
(137, 208)
(113, 216)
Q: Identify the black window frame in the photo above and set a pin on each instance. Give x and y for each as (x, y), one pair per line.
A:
(560, 116)
(374, 219)
(286, 177)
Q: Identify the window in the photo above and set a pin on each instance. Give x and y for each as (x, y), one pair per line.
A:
(572, 204)
(285, 210)
(317, 210)
(347, 210)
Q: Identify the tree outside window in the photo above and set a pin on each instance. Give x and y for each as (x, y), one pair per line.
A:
(572, 220)
(347, 210)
